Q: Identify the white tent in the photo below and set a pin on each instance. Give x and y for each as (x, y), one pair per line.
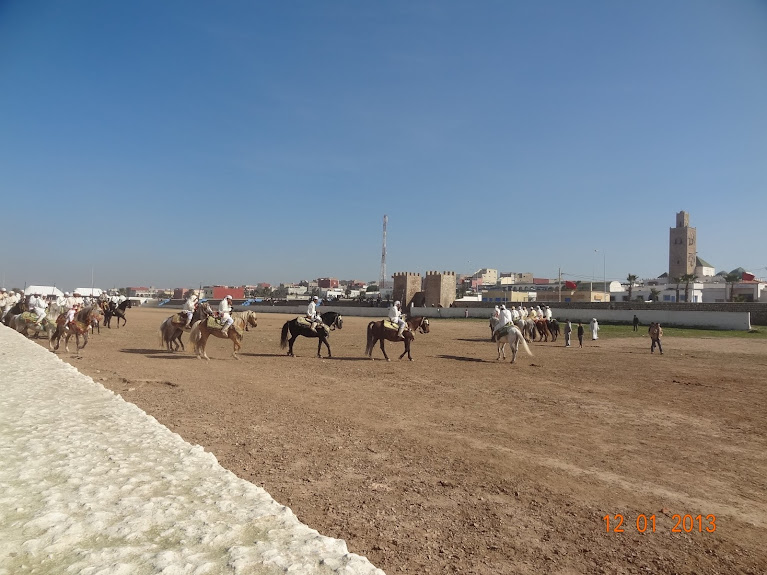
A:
(43, 290)
(88, 292)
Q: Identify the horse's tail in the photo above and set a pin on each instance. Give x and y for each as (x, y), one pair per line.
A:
(369, 346)
(521, 339)
(162, 333)
(284, 338)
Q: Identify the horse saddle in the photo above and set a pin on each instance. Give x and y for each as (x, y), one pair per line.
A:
(29, 316)
(213, 323)
(303, 321)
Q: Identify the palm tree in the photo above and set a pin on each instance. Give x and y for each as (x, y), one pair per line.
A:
(687, 278)
(677, 281)
(631, 278)
(731, 278)
(654, 293)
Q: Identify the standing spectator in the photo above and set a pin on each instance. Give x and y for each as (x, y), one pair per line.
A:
(568, 331)
(466, 312)
(636, 323)
(580, 334)
(656, 332)
(594, 328)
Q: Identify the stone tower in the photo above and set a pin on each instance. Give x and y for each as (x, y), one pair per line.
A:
(406, 285)
(440, 288)
(682, 247)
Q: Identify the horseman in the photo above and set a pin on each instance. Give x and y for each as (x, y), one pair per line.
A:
(514, 315)
(189, 306)
(549, 314)
(69, 300)
(3, 297)
(11, 300)
(224, 309)
(78, 299)
(503, 319)
(395, 316)
(71, 314)
(496, 312)
(311, 313)
(39, 306)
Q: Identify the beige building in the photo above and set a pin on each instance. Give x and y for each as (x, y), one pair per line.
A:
(406, 286)
(439, 288)
(682, 248)
(486, 276)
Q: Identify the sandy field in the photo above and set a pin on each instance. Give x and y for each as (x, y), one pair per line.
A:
(457, 463)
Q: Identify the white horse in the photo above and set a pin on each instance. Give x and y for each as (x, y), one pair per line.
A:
(513, 337)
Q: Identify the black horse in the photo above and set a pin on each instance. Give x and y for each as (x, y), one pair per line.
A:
(553, 326)
(117, 311)
(330, 321)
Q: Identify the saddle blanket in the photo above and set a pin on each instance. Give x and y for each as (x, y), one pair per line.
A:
(302, 321)
(504, 330)
(178, 319)
(214, 323)
(29, 316)
(388, 324)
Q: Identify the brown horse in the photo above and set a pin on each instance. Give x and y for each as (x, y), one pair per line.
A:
(173, 328)
(79, 327)
(378, 332)
(201, 332)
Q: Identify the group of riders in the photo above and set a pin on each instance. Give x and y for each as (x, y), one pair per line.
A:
(68, 304)
(505, 316)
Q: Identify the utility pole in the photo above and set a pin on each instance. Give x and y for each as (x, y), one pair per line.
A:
(382, 277)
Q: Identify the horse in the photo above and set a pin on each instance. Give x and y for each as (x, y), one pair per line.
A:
(378, 332)
(493, 322)
(527, 327)
(510, 334)
(171, 331)
(201, 332)
(79, 327)
(330, 321)
(117, 310)
(543, 329)
(553, 326)
(25, 321)
(18, 308)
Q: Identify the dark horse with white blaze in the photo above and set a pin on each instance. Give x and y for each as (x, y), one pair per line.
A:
(116, 310)
(330, 321)
(378, 332)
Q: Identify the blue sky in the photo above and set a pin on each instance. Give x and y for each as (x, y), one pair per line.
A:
(177, 143)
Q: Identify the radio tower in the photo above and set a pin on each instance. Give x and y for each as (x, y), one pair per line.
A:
(382, 278)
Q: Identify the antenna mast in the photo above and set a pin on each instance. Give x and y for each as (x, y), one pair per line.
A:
(382, 278)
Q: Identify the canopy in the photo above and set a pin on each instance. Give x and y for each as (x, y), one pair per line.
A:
(88, 292)
(43, 290)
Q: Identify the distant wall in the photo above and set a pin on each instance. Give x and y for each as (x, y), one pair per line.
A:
(700, 315)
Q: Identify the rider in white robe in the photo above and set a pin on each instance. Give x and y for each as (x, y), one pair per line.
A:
(224, 309)
(38, 305)
(395, 316)
(189, 306)
(311, 313)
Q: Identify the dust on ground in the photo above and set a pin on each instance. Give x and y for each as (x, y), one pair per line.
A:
(458, 463)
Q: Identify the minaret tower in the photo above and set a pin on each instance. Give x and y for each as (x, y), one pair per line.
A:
(682, 248)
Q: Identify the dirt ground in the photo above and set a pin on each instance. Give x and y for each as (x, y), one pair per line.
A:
(457, 463)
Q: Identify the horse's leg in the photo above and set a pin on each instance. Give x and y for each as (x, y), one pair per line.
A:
(327, 344)
(407, 350)
(319, 346)
(381, 341)
(514, 347)
(202, 344)
(237, 345)
(291, 341)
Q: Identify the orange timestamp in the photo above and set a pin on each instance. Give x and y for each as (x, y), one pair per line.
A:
(682, 523)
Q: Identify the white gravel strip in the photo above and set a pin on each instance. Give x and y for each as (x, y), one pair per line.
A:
(92, 485)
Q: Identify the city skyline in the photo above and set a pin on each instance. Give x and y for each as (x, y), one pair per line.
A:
(174, 144)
